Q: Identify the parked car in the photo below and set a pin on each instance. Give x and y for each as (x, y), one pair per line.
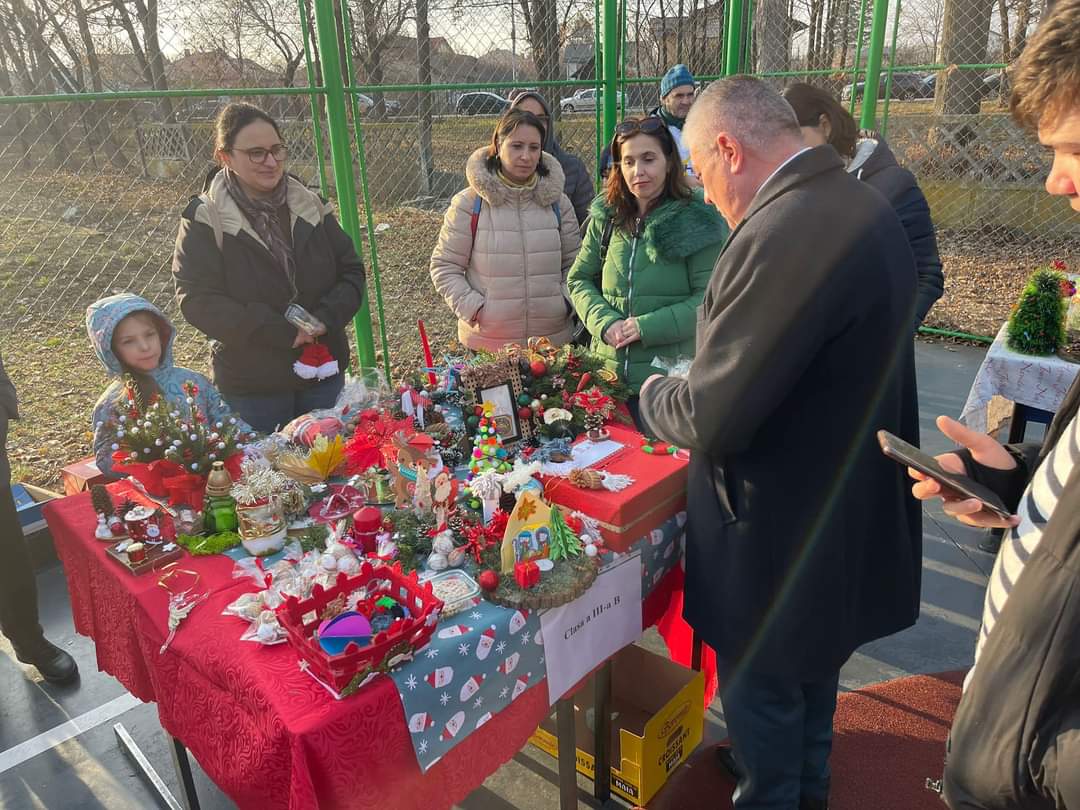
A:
(367, 104)
(481, 103)
(904, 86)
(586, 100)
(991, 85)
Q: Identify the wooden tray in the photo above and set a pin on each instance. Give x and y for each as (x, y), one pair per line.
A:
(155, 557)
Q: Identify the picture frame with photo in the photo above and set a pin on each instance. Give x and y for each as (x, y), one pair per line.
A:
(499, 383)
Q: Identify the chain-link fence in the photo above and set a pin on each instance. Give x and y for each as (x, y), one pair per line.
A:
(106, 119)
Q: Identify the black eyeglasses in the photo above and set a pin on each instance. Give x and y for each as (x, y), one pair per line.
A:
(649, 125)
(258, 155)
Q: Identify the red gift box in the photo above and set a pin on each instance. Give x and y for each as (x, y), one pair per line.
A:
(657, 494)
(527, 574)
(82, 475)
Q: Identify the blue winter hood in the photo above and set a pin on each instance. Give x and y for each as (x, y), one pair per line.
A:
(102, 318)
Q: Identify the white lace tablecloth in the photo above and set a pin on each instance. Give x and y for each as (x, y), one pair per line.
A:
(1038, 382)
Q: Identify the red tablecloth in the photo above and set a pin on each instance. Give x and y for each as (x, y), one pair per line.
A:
(266, 733)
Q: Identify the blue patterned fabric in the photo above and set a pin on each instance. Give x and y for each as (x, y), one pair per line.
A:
(102, 318)
(481, 659)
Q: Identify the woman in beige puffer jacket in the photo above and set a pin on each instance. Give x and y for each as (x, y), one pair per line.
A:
(508, 283)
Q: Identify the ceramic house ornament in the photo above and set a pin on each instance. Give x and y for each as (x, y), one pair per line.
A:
(528, 532)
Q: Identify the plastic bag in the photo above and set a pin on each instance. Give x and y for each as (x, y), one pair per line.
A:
(673, 366)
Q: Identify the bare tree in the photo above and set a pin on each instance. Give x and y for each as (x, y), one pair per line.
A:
(375, 25)
(965, 37)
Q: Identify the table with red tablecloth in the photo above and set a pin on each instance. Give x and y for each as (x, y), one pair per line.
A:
(266, 733)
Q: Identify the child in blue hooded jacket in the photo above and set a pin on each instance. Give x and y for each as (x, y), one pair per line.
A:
(134, 340)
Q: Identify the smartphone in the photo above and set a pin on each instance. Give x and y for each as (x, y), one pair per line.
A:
(907, 454)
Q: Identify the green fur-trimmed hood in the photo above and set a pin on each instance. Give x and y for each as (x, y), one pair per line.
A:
(677, 228)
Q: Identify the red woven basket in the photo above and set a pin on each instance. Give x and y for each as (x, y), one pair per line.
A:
(353, 667)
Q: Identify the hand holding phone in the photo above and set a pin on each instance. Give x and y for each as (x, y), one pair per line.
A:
(965, 499)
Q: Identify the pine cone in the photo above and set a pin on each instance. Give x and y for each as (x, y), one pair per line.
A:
(507, 502)
(99, 497)
(586, 479)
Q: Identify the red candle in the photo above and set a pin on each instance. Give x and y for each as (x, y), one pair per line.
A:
(366, 524)
(427, 350)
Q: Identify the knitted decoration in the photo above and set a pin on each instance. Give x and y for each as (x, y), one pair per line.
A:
(315, 362)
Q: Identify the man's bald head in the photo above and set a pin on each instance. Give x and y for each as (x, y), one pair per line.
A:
(748, 109)
(738, 132)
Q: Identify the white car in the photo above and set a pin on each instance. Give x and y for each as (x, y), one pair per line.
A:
(585, 101)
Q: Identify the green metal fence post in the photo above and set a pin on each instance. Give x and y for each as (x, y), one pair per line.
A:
(733, 33)
(892, 67)
(858, 56)
(340, 154)
(611, 66)
(598, 73)
(369, 210)
(871, 81)
(316, 113)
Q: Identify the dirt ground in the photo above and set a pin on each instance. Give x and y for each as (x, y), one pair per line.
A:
(51, 267)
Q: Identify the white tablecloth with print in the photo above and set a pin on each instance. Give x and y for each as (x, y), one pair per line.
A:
(1038, 382)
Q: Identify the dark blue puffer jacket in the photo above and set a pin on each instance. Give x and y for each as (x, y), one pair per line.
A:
(875, 163)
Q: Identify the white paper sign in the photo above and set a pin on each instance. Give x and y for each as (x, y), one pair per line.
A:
(581, 634)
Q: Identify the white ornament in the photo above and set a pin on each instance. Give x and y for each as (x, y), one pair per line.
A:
(146, 450)
(591, 550)
(194, 438)
(212, 456)
(218, 425)
(158, 442)
(221, 446)
(194, 466)
(190, 401)
(123, 418)
(115, 446)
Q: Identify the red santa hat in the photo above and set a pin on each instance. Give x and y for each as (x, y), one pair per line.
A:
(315, 362)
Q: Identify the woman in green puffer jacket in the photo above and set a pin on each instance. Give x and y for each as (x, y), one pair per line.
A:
(638, 294)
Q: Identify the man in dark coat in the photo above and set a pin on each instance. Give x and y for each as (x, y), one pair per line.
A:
(803, 541)
(18, 589)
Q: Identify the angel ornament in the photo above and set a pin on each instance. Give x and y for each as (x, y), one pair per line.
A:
(180, 605)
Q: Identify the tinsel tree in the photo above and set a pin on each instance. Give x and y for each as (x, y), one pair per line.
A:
(1037, 322)
(179, 432)
(564, 543)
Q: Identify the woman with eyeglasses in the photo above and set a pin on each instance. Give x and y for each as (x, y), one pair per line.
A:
(265, 271)
(507, 241)
(646, 257)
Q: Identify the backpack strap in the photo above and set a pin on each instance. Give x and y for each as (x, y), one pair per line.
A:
(215, 219)
(474, 220)
(605, 240)
(558, 214)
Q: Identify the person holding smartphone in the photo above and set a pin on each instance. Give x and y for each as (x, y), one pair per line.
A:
(264, 270)
(1015, 739)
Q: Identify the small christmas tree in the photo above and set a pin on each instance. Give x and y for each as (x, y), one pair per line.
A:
(178, 432)
(488, 451)
(564, 543)
(1037, 322)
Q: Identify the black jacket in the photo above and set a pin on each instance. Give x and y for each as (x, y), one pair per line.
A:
(238, 295)
(1015, 740)
(803, 540)
(9, 409)
(899, 186)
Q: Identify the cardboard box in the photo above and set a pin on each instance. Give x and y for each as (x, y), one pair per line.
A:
(657, 494)
(82, 475)
(28, 502)
(657, 722)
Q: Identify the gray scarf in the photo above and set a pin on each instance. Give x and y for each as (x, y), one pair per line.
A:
(262, 213)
